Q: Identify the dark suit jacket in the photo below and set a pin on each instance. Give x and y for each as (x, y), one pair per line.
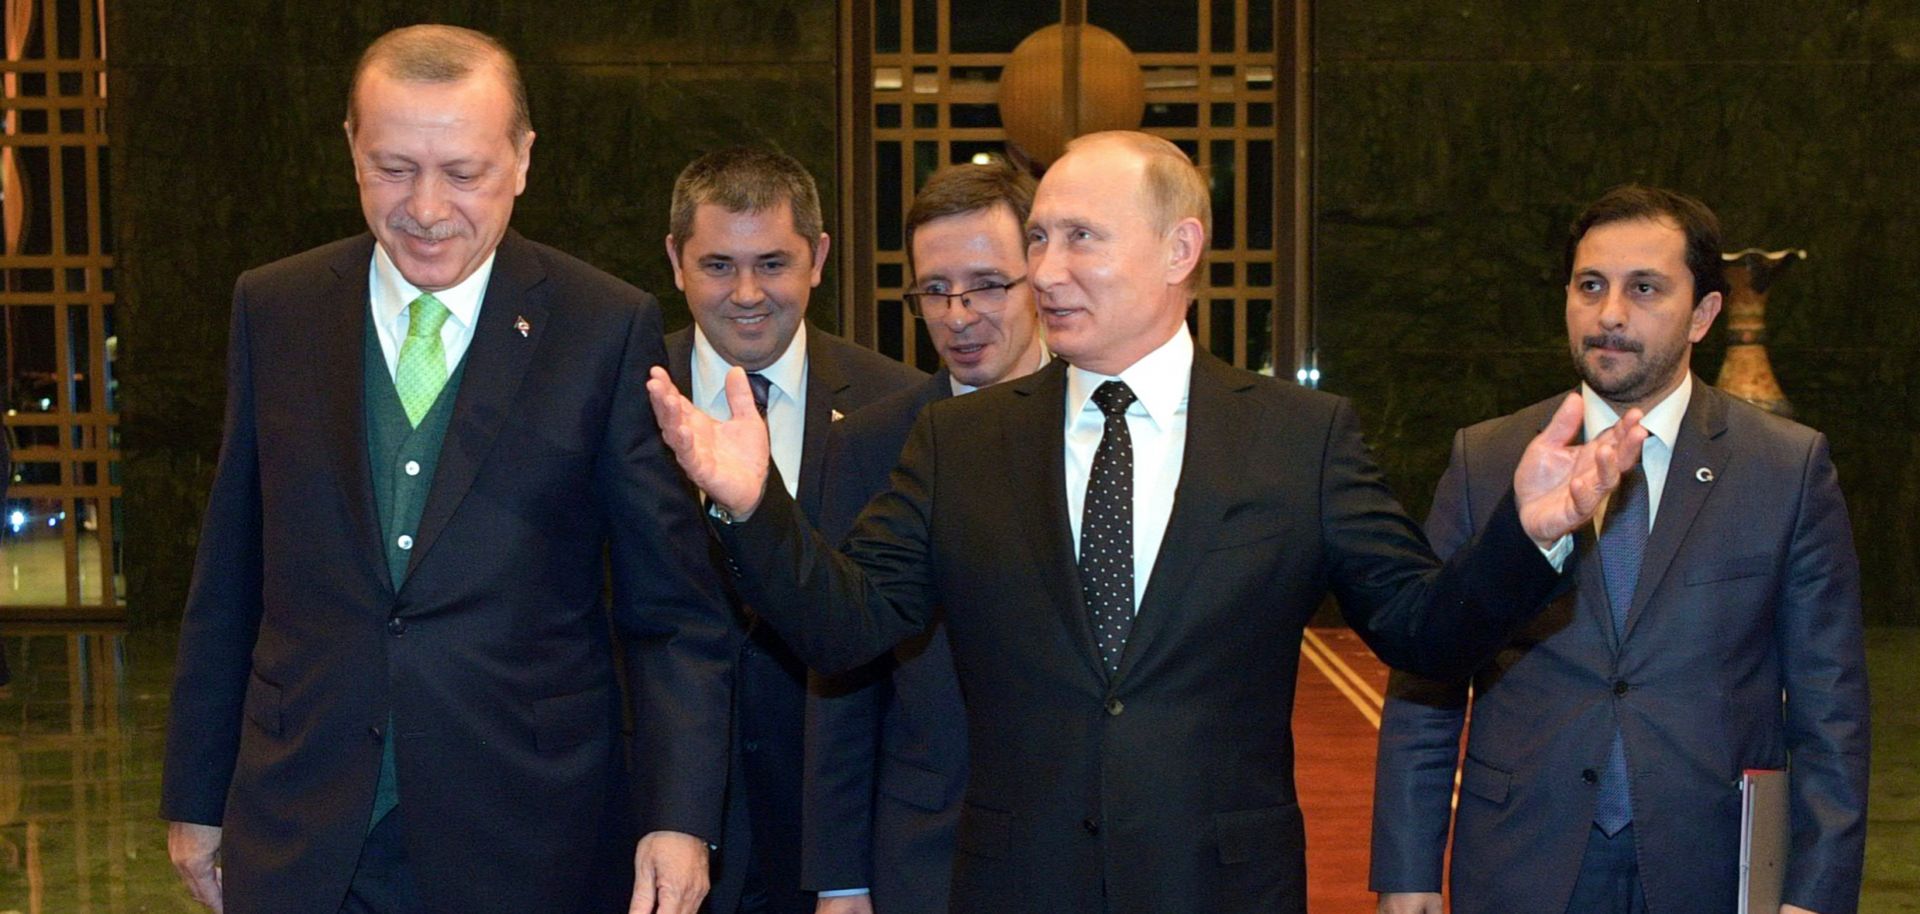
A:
(1749, 588)
(494, 658)
(1170, 786)
(763, 800)
(886, 744)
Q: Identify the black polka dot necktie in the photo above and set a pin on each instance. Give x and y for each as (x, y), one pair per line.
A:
(1106, 528)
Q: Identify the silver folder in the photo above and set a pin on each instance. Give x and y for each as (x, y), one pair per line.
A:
(1763, 840)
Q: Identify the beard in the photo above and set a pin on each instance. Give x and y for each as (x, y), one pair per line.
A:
(1640, 371)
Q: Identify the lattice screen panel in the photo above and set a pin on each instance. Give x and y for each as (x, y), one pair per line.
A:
(58, 534)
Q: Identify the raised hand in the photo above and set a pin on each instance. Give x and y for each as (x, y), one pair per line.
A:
(727, 460)
(1559, 484)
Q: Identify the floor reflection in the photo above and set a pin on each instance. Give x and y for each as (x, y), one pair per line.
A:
(82, 727)
(81, 731)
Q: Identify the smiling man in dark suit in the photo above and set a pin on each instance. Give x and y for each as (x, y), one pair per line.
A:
(1606, 743)
(1126, 545)
(747, 249)
(396, 687)
(887, 744)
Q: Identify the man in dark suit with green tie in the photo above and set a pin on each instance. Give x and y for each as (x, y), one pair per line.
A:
(396, 688)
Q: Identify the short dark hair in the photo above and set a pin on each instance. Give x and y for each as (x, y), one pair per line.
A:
(959, 189)
(442, 54)
(745, 179)
(1638, 201)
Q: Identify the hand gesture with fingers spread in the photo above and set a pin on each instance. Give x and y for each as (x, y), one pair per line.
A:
(727, 460)
(1559, 483)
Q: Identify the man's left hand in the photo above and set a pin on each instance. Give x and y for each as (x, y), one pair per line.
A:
(669, 874)
(1560, 484)
(1793, 909)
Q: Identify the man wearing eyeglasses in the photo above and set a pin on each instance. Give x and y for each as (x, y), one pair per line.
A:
(747, 249)
(887, 744)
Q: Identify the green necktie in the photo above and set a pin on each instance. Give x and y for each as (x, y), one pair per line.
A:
(423, 359)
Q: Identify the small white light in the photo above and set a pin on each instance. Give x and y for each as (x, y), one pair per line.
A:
(1314, 375)
(1300, 376)
(46, 403)
(18, 519)
(982, 158)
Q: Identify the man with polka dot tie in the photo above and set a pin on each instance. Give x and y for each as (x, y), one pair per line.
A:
(1129, 692)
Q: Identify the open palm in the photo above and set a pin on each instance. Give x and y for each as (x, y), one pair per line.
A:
(727, 460)
(1560, 483)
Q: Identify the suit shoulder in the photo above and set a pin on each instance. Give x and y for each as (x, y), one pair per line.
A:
(295, 274)
(582, 282)
(891, 414)
(862, 364)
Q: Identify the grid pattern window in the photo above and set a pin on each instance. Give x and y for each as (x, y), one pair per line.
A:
(59, 535)
(1219, 84)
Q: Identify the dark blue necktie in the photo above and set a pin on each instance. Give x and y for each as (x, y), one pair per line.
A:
(762, 387)
(1623, 543)
(1106, 528)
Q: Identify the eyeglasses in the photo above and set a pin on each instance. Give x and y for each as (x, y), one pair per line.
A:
(988, 299)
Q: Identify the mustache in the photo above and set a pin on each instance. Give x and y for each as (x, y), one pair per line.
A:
(439, 231)
(1610, 341)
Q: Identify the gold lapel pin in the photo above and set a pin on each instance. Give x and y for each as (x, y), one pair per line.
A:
(520, 324)
(1704, 474)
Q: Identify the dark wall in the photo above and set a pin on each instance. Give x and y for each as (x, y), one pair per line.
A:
(1454, 142)
(228, 153)
(1456, 139)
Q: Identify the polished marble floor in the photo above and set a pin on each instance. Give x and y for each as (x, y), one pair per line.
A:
(82, 725)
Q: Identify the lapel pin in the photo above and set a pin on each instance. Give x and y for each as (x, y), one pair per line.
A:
(520, 324)
(1704, 474)
(837, 415)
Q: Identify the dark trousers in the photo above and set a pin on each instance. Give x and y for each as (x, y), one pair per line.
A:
(1609, 881)
(382, 882)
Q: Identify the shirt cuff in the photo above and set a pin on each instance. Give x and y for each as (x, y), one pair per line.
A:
(844, 893)
(1557, 556)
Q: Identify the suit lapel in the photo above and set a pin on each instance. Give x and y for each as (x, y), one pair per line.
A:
(1032, 438)
(339, 389)
(1701, 446)
(825, 382)
(1217, 416)
(496, 360)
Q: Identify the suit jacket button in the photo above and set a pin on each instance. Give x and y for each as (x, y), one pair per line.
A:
(1114, 707)
(1590, 776)
(1620, 687)
(397, 626)
(374, 733)
(1091, 824)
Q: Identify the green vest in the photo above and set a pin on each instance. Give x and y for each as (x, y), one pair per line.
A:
(400, 461)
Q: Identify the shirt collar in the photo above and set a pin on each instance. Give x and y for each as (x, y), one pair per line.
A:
(960, 389)
(788, 372)
(392, 293)
(1159, 380)
(1662, 421)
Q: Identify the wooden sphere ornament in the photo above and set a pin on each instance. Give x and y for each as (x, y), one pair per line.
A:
(1035, 106)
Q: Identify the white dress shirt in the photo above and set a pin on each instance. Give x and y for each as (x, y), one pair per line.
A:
(786, 400)
(1157, 423)
(391, 298)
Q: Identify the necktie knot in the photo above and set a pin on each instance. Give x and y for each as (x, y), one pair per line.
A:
(762, 389)
(1113, 398)
(425, 315)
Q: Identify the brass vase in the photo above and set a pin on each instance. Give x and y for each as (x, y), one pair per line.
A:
(1747, 373)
